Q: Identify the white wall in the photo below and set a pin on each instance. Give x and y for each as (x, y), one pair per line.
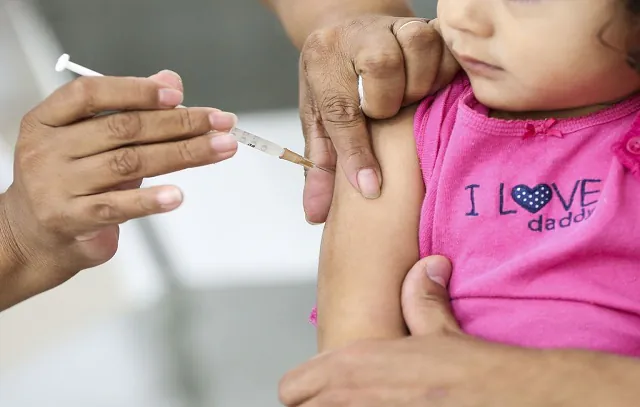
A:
(242, 220)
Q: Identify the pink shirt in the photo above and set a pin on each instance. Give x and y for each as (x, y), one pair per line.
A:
(540, 218)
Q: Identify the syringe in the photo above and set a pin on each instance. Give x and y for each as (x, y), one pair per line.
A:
(244, 137)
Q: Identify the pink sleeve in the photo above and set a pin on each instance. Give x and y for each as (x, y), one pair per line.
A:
(429, 119)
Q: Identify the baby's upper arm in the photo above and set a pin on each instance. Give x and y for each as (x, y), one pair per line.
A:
(369, 245)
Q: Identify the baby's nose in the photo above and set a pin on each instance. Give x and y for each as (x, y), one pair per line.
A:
(470, 16)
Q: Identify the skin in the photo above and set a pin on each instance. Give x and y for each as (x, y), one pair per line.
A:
(31, 264)
(438, 365)
(381, 237)
(301, 18)
(539, 47)
(355, 370)
(400, 58)
(369, 287)
(77, 175)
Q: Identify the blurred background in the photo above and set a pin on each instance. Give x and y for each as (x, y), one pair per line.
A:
(204, 306)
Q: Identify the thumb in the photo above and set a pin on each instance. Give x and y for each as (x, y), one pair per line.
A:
(425, 299)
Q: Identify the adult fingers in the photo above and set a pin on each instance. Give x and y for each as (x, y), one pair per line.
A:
(448, 68)
(111, 208)
(338, 103)
(318, 186)
(381, 65)
(141, 127)
(167, 77)
(425, 299)
(88, 96)
(304, 383)
(317, 195)
(422, 47)
(96, 173)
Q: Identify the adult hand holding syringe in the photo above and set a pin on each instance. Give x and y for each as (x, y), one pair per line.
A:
(241, 136)
(77, 174)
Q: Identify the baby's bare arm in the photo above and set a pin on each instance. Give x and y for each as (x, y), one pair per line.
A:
(369, 245)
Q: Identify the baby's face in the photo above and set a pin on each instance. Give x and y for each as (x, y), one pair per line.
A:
(540, 55)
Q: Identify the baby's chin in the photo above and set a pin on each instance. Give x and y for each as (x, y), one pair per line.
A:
(520, 105)
(502, 98)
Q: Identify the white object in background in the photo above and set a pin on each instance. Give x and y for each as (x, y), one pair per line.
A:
(37, 42)
(242, 220)
(6, 165)
(64, 63)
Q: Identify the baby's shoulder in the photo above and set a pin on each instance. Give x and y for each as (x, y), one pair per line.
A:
(436, 110)
(452, 93)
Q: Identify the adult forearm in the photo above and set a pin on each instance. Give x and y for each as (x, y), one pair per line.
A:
(21, 274)
(300, 18)
(588, 379)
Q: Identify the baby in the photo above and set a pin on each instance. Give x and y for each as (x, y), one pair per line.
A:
(527, 176)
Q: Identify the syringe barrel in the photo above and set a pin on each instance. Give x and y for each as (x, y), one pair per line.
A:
(256, 142)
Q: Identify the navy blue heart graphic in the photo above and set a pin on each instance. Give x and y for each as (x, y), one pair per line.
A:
(532, 199)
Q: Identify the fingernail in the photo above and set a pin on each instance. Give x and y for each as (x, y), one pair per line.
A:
(368, 183)
(87, 236)
(170, 97)
(223, 143)
(438, 270)
(438, 280)
(222, 120)
(169, 198)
